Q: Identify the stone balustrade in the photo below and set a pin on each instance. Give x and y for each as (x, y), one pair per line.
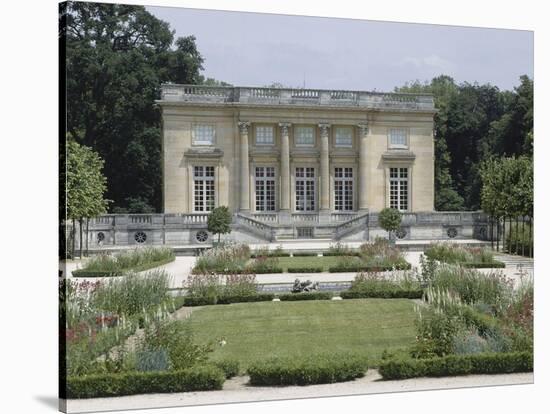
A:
(290, 96)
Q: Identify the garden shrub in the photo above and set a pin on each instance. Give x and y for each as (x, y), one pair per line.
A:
(200, 301)
(154, 360)
(471, 257)
(305, 269)
(226, 258)
(306, 296)
(230, 367)
(304, 254)
(111, 385)
(451, 365)
(176, 339)
(340, 249)
(305, 370)
(258, 297)
(383, 293)
(264, 264)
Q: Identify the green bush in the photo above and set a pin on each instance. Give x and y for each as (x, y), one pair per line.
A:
(304, 370)
(471, 257)
(96, 273)
(230, 367)
(199, 300)
(341, 253)
(451, 365)
(305, 269)
(306, 296)
(304, 254)
(496, 264)
(227, 258)
(258, 297)
(368, 268)
(111, 385)
(382, 293)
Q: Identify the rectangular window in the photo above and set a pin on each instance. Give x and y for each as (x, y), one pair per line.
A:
(304, 136)
(398, 138)
(203, 134)
(305, 189)
(204, 192)
(264, 135)
(343, 189)
(399, 188)
(343, 136)
(265, 188)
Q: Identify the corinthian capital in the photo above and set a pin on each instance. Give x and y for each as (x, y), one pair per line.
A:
(363, 129)
(284, 127)
(324, 127)
(243, 127)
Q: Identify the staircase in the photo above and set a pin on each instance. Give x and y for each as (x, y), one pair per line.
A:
(308, 227)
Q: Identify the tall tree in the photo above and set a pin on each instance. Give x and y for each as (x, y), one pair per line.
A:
(85, 186)
(117, 57)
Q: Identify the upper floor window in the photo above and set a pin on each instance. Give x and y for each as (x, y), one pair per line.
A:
(398, 138)
(203, 134)
(264, 135)
(304, 136)
(343, 136)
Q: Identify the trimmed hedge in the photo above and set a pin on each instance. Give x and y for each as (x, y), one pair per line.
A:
(111, 385)
(382, 293)
(270, 254)
(230, 367)
(263, 271)
(315, 369)
(306, 296)
(102, 273)
(451, 365)
(351, 254)
(368, 268)
(497, 264)
(304, 269)
(304, 254)
(225, 300)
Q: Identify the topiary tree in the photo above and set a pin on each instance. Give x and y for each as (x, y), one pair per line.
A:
(219, 221)
(390, 220)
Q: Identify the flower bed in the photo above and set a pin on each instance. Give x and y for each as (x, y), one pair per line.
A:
(138, 260)
(315, 369)
(472, 257)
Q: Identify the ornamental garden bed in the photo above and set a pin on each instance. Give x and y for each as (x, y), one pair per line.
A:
(472, 257)
(138, 260)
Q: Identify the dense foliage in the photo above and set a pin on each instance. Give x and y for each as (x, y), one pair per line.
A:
(117, 56)
(473, 123)
(219, 221)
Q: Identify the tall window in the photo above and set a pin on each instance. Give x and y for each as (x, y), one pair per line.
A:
(343, 136)
(343, 189)
(204, 193)
(203, 134)
(398, 138)
(399, 188)
(304, 136)
(265, 188)
(305, 189)
(264, 135)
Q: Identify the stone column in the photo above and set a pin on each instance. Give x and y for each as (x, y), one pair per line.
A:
(284, 205)
(245, 170)
(363, 173)
(324, 199)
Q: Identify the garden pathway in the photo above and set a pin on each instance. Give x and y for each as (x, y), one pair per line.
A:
(237, 390)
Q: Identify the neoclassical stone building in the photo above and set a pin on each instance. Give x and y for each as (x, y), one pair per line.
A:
(296, 156)
(292, 163)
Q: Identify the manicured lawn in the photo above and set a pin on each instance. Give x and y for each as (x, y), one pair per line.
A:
(258, 330)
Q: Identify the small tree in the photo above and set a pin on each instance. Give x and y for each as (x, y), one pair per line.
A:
(219, 221)
(390, 220)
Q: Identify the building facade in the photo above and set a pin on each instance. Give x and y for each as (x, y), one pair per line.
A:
(290, 164)
(285, 156)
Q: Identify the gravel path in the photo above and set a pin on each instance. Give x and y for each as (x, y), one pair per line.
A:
(236, 390)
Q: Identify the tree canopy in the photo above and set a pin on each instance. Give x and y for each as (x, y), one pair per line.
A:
(473, 123)
(117, 56)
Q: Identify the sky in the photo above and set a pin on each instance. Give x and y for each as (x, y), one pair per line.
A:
(253, 49)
